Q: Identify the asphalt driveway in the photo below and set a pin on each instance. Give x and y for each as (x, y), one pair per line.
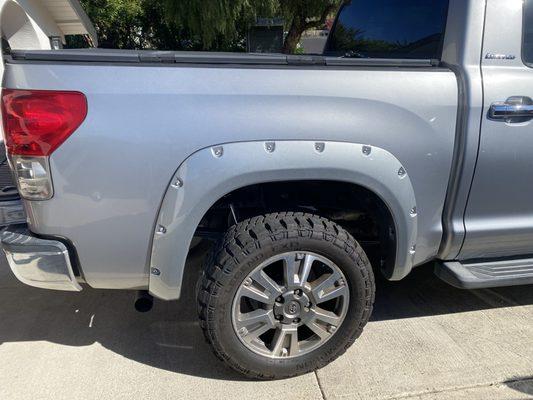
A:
(426, 341)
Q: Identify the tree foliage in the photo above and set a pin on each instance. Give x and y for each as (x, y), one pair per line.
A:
(200, 24)
(217, 23)
(209, 20)
(302, 15)
(132, 24)
(116, 21)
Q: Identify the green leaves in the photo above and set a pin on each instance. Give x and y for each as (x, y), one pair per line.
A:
(116, 21)
(219, 22)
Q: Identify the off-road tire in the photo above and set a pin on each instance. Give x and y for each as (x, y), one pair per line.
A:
(250, 242)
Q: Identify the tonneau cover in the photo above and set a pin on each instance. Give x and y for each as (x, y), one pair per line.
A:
(193, 57)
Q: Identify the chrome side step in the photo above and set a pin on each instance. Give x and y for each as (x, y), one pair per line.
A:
(477, 275)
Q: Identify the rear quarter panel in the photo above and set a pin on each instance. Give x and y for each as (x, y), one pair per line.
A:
(144, 121)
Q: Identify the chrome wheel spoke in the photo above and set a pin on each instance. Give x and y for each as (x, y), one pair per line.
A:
(278, 342)
(254, 335)
(327, 317)
(271, 287)
(294, 344)
(297, 268)
(254, 293)
(305, 269)
(255, 323)
(286, 296)
(320, 330)
(324, 289)
(333, 294)
(285, 342)
(260, 316)
(291, 268)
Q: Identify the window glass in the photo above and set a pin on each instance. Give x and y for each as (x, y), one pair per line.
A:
(253, 26)
(412, 29)
(528, 32)
(363, 28)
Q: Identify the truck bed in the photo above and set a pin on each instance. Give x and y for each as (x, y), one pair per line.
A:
(149, 111)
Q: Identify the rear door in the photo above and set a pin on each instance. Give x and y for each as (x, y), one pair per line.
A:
(499, 215)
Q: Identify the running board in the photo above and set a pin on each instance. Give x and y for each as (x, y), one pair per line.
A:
(477, 275)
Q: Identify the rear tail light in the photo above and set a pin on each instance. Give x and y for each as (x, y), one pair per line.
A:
(36, 123)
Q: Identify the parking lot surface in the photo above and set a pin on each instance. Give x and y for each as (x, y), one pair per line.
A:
(425, 341)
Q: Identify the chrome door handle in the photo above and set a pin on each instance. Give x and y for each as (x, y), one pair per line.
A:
(514, 109)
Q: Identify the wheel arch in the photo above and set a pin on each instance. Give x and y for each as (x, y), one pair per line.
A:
(212, 173)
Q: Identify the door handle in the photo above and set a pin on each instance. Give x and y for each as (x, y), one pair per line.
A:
(514, 109)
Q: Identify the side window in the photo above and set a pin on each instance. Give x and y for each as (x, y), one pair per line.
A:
(528, 32)
(397, 29)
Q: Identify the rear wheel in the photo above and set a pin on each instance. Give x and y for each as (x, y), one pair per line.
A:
(284, 294)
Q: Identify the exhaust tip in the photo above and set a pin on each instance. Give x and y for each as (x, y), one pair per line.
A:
(143, 301)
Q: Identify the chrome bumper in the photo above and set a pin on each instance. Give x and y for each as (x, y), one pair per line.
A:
(38, 262)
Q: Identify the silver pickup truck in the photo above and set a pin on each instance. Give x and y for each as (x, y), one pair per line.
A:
(408, 141)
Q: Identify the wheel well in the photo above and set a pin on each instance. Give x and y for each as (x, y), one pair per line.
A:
(357, 209)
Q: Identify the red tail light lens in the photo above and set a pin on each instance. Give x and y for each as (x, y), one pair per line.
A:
(37, 122)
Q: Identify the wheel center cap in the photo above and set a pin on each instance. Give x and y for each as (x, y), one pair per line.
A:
(292, 309)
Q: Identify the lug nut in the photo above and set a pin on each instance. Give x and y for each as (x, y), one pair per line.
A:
(279, 299)
(279, 317)
(298, 292)
(296, 320)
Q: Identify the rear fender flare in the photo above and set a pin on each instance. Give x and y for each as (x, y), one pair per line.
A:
(210, 173)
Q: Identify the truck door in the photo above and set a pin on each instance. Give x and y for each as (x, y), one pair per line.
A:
(499, 215)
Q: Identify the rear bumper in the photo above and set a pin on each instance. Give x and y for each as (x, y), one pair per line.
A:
(11, 212)
(38, 262)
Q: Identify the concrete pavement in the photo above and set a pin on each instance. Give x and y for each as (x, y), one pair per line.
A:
(426, 341)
